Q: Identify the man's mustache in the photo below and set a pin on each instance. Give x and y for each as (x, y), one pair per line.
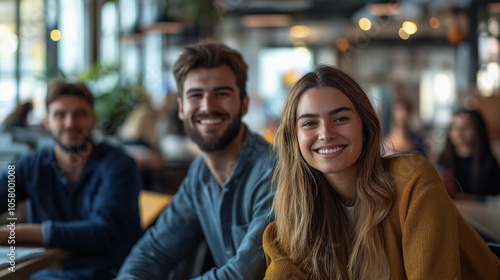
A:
(208, 115)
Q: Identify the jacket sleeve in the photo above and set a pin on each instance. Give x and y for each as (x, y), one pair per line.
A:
(428, 221)
(437, 242)
(279, 266)
(176, 233)
(114, 219)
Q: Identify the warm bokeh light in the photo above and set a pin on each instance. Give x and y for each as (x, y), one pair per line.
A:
(410, 27)
(488, 81)
(300, 31)
(365, 24)
(403, 34)
(342, 44)
(434, 23)
(55, 35)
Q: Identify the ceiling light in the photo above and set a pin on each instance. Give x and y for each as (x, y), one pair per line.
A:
(260, 4)
(164, 27)
(266, 20)
(365, 24)
(300, 31)
(55, 35)
(410, 27)
(434, 23)
(403, 34)
(343, 44)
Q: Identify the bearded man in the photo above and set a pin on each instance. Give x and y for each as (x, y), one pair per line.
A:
(225, 199)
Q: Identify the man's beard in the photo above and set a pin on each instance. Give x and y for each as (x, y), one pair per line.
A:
(82, 147)
(212, 144)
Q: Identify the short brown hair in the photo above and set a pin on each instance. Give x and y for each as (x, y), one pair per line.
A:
(58, 88)
(210, 55)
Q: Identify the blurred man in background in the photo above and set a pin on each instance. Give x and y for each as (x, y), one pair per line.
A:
(83, 195)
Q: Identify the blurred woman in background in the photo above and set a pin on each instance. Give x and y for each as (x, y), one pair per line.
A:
(402, 138)
(469, 165)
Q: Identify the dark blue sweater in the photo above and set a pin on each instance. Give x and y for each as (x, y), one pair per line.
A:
(97, 218)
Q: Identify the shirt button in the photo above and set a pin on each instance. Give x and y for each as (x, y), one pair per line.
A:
(228, 252)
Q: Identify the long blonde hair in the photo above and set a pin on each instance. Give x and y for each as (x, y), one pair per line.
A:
(310, 218)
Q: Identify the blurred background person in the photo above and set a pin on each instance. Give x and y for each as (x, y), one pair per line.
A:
(468, 163)
(174, 144)
(139, 126)
(82, 192)
(402, 138)
(18, 118)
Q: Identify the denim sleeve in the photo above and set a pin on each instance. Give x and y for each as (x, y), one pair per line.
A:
(176, 233)
(114, 218)
(249, 261)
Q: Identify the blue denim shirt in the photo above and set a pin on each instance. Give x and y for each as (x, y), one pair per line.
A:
(231, 220)
(97, 218)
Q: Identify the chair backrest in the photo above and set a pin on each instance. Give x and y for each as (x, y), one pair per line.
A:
(151, 204)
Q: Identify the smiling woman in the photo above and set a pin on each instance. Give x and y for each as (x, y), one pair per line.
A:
(329, 132)
(345, 212)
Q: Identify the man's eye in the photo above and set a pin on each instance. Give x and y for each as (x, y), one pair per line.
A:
(80, 114)
(195, 95)
(222, 93)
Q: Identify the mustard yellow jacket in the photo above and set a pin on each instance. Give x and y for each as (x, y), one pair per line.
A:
(425, 236)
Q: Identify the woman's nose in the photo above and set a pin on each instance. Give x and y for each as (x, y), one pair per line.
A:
(326, 132)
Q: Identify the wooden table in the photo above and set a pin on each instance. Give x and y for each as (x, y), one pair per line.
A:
(483, 216)
(27, 267)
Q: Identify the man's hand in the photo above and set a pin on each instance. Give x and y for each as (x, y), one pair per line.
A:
(22, 234)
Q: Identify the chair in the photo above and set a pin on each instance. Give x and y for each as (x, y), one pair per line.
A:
(151, 204)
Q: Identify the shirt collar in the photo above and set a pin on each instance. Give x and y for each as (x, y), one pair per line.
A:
(247, 149)
(49, 156)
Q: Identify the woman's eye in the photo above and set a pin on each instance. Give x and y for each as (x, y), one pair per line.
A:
(308, 123)
(341, 119)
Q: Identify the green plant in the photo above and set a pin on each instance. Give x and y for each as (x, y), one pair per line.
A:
(200, 11)
(113, 101)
